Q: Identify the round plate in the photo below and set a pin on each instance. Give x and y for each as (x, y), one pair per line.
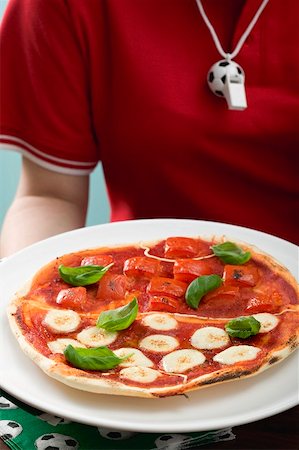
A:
(228, 404)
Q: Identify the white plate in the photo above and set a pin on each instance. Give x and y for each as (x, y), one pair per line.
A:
(229, 404)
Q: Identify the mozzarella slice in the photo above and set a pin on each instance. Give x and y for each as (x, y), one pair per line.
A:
(181, 360)
(62, 320)
(60, 345)
(236, 354)
(160, 321)
(139, 374)
(136, 357)
(159, 343)
(267, 321)
(209, 338)
(96, 337)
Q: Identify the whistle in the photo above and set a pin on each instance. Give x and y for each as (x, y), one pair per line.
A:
(234, 91)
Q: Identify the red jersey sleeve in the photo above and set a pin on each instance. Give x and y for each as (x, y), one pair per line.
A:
(45, 110)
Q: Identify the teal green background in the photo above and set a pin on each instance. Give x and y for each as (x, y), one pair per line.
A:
(10, 165)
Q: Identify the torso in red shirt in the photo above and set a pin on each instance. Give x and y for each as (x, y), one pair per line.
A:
(124, 82)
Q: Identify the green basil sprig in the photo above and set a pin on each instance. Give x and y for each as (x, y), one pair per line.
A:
(199, 287)
(82, 275)
(243, 327)
(119, 318)
(230, 253)
(99, 358)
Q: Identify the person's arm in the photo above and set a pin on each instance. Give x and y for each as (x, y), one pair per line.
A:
(46, 203)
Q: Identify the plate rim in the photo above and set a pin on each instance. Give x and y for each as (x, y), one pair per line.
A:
(222, 423)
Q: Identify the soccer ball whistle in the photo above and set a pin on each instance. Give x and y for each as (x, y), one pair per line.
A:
(226, 79)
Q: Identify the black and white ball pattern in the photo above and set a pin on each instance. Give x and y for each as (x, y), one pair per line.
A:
(53, 420)
(218, 73)
(7, 404)
(115, 435)
(9, 429)
(56, 441)
(171, 441)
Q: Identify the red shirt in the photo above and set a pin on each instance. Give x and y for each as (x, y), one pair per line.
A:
(124, 82)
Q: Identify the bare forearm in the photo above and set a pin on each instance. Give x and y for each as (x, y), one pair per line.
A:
(33, 218)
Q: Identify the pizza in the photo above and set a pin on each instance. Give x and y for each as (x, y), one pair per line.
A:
(159, 318)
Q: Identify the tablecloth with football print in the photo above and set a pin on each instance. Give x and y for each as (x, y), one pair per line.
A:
(25, 428)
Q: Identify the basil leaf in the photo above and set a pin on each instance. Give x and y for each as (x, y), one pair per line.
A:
(82, 275)
(99, 358)
(199, 287)
(243, 327)
(230, 253)
(119, 318)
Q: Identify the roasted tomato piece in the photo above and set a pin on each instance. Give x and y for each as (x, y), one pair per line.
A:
(97, 260)
(141, 266)
(189, 269)
(166, 286)
(241, 275)
(224, 301)
(112, 287)
(184, 247)
(267, 302)
(226, 292)
(74, 298)
(166, 269)
(163, 303)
